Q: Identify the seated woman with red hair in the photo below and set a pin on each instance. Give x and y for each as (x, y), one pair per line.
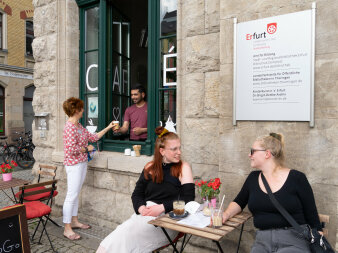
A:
(163, 180)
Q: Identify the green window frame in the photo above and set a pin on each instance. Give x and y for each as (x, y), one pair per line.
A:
(156, 92)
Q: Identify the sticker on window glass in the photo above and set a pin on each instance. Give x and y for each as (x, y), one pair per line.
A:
(93, 107)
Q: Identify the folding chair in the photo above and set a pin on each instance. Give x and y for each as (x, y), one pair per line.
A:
(175, 240)
(45, 172)
(37, 209)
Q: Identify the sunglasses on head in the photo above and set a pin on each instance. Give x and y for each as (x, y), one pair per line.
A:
(252, 150)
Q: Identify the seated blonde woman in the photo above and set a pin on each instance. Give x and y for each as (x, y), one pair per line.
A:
(291, 189)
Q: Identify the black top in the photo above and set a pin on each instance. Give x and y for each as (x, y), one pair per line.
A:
(295, 196)
(163, 193)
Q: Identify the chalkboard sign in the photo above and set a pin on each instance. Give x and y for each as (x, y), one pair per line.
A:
(14, 230)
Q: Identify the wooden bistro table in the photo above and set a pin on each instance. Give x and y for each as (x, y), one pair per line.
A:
(11, 184)
(214, 234)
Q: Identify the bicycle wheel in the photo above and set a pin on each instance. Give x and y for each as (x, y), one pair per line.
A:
(24, 158)
(1, 153)
(9, 153)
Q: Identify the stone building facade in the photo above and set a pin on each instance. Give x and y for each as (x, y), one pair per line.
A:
(212, 145)
(16, 66)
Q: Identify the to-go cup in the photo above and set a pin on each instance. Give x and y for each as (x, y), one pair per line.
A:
(178, 207)
(116, 124)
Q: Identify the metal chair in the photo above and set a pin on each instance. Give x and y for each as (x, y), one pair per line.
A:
(38, 209)
(45, 172)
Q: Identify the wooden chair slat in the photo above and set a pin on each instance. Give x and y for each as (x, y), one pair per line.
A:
(49, 167)
(324, 218)
(46, 173)
(30, 186)
(31, 193)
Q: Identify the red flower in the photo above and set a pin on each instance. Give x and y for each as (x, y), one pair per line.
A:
(8, 166)
(14, 163)
(3, 171)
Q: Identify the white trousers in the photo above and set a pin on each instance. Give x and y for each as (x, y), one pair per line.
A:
(76, 175)
(135, 235)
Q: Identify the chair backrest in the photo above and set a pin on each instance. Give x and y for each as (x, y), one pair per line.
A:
(48, 186)
(324, 219)
(46, 170)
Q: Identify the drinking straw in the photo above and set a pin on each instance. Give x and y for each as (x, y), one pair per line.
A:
(220, 208)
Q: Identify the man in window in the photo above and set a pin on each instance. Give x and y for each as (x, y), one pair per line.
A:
(135, 116)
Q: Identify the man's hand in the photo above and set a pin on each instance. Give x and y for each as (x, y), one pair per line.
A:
(138, 130)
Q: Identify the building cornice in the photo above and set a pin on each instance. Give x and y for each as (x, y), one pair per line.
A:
(16, 69)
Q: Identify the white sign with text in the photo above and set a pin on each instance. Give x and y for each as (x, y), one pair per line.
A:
(273, 68)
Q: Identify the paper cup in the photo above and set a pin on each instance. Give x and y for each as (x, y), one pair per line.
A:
(116, 124)
(127, 151)
(132, 153)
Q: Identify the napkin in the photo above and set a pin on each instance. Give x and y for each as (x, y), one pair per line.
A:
(192, 207)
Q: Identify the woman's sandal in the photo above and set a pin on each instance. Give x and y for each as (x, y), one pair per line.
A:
(73, 237)
(83, 226)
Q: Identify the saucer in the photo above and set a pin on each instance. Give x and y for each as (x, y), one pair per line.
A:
(174, 216)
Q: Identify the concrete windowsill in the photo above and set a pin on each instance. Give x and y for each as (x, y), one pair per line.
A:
(114, 161)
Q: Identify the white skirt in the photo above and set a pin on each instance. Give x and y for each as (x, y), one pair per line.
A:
(135, 235)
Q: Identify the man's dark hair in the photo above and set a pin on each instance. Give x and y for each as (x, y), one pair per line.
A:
(139, 87)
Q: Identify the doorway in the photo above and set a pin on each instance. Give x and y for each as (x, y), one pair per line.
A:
(28, 113)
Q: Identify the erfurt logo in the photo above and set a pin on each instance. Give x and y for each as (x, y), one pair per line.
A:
(271, 28)
(255, 36)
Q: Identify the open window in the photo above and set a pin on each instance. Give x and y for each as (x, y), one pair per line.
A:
(29, 37)
(124, 43)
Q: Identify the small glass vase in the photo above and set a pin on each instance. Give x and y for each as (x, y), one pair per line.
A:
(206, 207)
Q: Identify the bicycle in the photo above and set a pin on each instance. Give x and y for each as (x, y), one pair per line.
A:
(24, 155)
(7, 151)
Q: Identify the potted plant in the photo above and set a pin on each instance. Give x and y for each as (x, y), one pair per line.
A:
(6, 170)
(209, 190)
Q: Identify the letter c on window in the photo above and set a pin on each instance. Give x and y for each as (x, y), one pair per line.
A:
(87, 75)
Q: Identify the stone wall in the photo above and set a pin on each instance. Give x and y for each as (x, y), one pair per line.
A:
(211, 143)
(205, 36)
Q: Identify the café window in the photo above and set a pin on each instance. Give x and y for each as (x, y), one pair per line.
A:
(123, 44)
(168, 45)
(29, 37)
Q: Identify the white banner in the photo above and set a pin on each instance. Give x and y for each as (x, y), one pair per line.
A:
(273, 68)
(15, 74)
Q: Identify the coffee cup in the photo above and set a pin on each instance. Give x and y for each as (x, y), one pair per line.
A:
(217, 218)
(127, 151)
(137, 149)
(116, 124)
(178, 207)
(132, 153)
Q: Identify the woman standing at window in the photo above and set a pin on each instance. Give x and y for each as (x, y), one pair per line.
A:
(75, 141)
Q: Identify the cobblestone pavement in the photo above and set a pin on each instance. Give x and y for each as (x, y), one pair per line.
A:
(88, 243)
